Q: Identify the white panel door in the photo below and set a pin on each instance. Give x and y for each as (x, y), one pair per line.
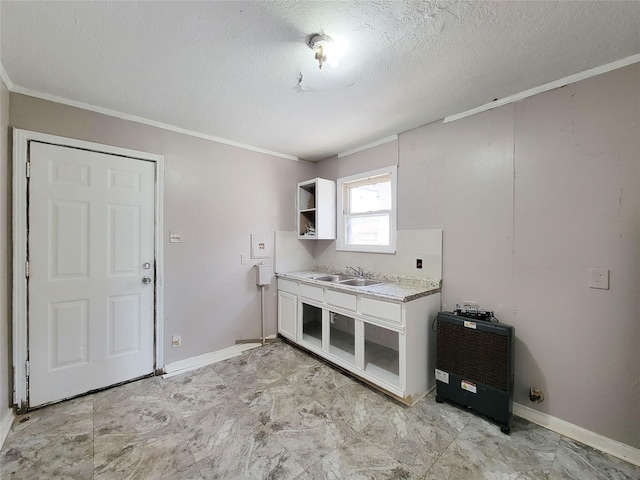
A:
(91, 232)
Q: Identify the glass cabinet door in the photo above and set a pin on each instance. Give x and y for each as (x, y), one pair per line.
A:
(311, 324)
(342, 337)
(381, 353)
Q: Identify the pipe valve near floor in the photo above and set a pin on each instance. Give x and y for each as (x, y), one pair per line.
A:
(535, 395)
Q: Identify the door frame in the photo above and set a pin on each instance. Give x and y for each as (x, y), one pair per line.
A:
(21, 140)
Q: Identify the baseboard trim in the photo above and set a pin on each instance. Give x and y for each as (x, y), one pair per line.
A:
(5, 425)
(604, 444)
(193, 363)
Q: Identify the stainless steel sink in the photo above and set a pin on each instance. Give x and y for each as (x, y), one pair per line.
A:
(334, 278)
(360, 282)
(347, 280)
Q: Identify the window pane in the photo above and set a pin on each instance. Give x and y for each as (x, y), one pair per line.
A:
(368, 230)
(370, 198)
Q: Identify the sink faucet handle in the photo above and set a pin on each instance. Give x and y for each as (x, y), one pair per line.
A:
(357, 270)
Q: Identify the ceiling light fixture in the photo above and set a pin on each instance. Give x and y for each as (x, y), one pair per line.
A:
(321, 44)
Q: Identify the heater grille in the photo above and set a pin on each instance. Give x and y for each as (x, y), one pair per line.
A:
(474, 365)
(474, 354)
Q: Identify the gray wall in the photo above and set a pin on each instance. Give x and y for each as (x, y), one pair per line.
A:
(5, 259)
(529, 197)
(216, 196)
(411, 243)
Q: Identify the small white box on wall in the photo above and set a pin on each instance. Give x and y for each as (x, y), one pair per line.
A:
(260, 246)
(263, 274)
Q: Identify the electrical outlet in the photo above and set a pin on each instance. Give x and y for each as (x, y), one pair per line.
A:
(176, 341)
(243, 259)
(599, 278)
(418, 263)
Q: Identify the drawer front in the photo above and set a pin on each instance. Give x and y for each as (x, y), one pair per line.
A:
(339, 299)
(288, 286)
(379, 309)
(309, 291)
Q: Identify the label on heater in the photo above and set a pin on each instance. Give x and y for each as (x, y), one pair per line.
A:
(442, 376)
(469, 324)
(468, 386)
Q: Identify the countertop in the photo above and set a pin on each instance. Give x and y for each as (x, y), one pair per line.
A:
(393, 287)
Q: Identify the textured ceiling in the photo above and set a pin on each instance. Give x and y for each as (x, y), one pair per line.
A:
(242, 70)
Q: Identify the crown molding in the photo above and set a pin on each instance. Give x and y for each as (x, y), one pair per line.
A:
(368, 145)
(133, 118)
(5, 78)
(592, 72)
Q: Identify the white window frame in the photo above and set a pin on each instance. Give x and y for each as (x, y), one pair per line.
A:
(342, 184)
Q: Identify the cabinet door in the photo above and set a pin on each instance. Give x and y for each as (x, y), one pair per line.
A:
(287, 314)
(382, 353)
(342, 337)
(311, 329)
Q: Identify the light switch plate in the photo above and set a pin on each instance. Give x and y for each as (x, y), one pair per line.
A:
(599, 278)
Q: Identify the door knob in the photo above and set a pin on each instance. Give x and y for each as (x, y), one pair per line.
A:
(146, 280)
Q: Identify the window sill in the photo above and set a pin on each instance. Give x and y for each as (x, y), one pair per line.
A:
(367, 249)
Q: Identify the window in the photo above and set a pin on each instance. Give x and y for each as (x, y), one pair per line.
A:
(367, 211)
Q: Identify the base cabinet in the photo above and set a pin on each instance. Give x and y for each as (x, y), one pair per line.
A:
(287, 314)
(387, 344)
(287, 309)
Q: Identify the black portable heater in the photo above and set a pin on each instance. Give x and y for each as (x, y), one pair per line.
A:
(474, 365)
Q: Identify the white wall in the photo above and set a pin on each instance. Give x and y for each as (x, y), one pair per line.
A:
(216, 196)
(291, 254)
(411, 245)
(529, 197)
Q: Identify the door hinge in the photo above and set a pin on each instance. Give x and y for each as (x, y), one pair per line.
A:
(15, 395)
(28, 368)
(28, 172)
(26, 269)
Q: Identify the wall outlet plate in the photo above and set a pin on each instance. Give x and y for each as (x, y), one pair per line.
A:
(260, 246)
(176, 341)
(599, 278)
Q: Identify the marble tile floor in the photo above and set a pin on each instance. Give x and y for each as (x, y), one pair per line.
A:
(277, 413)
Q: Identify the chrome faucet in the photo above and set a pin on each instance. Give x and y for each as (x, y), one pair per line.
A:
(357, 270)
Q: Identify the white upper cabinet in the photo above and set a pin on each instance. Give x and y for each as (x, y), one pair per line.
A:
(316, 209)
